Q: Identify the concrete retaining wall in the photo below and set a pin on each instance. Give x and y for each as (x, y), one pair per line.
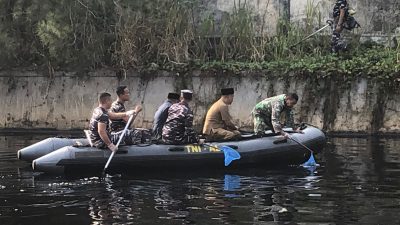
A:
(30, 100)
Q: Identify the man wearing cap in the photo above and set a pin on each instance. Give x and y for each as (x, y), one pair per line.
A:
(267, 113)
(218, 125)
(118, 106)
(178, 128)
(162, 113)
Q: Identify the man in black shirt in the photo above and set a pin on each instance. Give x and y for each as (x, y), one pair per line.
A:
(99, 124)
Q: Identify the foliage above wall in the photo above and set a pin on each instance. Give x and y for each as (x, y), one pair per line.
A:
(175, 35)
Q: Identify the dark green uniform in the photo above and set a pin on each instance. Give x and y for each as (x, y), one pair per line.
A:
(267, 113)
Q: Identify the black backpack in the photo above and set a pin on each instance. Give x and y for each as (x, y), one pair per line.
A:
(351, 23)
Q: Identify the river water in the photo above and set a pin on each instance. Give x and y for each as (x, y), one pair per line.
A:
(358, 182)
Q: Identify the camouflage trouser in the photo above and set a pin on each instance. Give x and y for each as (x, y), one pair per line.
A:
(261, 123)
(336, 43)
(220, 134)
(131, 137)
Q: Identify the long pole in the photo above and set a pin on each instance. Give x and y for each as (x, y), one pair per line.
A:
(119, 141)
(301, 144)
(319, 30)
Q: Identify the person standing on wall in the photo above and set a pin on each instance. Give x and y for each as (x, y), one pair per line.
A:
(340, 14)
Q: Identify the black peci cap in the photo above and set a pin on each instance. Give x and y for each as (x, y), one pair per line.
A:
(172, 95)
(227, 91)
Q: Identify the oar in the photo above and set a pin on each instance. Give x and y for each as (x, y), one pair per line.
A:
(119, 141)
(311, 161)
(230, 154)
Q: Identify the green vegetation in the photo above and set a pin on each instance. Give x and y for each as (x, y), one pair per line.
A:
(176, 35)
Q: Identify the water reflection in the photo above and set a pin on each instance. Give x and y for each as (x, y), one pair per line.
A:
(357, 183)
(111, 204)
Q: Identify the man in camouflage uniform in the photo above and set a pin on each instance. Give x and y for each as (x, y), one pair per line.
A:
(118, 106)
(117, 125)
(267, 113)
(340, 13)
(178, 128)
(100, 135)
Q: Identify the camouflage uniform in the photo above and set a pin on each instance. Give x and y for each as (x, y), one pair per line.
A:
(266, 114)
(100, 115)
(178, 128)
(336, 44)
(119, 124)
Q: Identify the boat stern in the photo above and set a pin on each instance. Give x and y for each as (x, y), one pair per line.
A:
(46, 146)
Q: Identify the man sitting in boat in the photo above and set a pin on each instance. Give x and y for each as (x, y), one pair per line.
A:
(118, 106)
(178, 128)
(100, 135)
(267, 114)
(218, 125)
(162, 113)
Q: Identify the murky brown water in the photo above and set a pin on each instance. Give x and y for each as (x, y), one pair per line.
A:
(358, 182)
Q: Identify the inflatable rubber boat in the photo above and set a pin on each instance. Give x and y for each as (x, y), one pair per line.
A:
(55, 155)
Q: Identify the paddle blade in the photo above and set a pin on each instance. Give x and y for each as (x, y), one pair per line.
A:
(311, 162)
(230, 154)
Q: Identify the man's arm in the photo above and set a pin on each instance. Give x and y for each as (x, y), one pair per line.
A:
(136, 111)
(290, 122)
(116, 116)
(102, 129)
(227, 118)
(122, 115)
(275, 117)
(188, 123)
(339, 26)
(290, 118)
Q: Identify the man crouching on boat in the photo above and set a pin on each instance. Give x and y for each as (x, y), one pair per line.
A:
(267, 114)
(100, 135)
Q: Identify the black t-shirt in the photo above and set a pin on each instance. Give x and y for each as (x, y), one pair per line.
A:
(117, 125)
(99, 116)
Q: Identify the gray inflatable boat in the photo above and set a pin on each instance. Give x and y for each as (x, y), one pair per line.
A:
(255, 152)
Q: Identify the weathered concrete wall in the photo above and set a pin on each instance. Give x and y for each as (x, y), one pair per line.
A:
(377, 18)
(266, 12)
(30, 100)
